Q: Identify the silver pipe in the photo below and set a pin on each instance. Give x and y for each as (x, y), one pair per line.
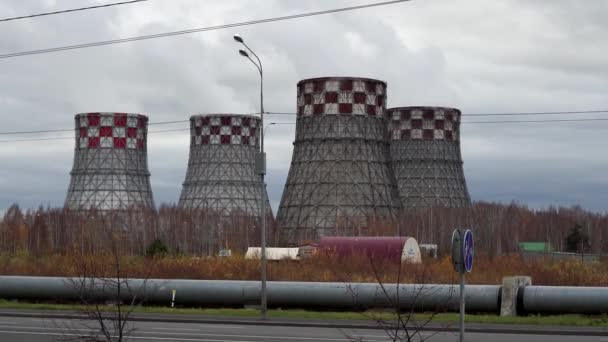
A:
(427, 297)
(562, 300)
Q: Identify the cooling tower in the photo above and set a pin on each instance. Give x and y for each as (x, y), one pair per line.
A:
(110, 163)
(221, 170)
(426, 159)
(340, 176)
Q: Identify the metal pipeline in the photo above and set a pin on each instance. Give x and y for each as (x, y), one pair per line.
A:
(562, 300)
(423, 297)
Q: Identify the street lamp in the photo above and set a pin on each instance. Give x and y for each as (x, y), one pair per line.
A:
(266, 127)
(276, 123)
(260, 168)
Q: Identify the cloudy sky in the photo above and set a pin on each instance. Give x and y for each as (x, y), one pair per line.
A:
(477, 55)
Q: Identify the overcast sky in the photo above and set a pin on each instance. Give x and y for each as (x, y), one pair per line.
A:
(477, 55)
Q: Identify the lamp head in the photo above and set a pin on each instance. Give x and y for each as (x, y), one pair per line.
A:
(243, 53)
(238, 38)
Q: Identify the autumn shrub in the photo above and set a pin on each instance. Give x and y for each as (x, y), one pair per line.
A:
(486, 270)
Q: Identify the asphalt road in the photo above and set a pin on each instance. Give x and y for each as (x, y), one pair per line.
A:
(54, 329)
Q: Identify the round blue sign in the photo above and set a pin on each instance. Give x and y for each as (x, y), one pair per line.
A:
(468, 250)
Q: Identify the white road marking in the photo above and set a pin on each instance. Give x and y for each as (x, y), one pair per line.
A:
(33, 327)
(40, 313)
(20, 326)
(179, 329)
(137, 331)
(221, 326)
(201, 326)
(130, 337)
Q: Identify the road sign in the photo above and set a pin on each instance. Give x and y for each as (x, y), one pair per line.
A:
(457, 251)
(468, 250)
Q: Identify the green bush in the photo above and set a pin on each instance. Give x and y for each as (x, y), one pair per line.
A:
(157, 249)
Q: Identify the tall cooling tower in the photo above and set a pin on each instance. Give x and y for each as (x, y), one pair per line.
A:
(426, 159)
(110, 163)
(221, 170)
(340, 176)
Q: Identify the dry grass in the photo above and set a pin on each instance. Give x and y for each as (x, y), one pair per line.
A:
(486, 270)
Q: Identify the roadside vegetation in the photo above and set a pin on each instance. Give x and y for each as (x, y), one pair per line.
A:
(488, 270)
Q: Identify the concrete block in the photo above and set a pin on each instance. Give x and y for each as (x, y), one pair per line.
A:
(510, 286)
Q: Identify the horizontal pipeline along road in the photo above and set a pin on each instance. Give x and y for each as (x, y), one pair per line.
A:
(226, 293)
(324, 295)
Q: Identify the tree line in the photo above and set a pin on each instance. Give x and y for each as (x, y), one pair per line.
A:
(498, 229)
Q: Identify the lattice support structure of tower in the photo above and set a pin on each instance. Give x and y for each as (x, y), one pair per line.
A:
(426, 158)
(340, 177)
(221, 175)
(110, 170)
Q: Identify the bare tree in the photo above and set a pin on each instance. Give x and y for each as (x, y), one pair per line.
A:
(106, 296)
(410, 317)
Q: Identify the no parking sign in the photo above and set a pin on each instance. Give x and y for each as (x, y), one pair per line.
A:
(467, 249)
(462, 258)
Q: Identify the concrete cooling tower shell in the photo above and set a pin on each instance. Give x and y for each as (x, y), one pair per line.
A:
(221, 169)
(426, 158)
(110, 170)
(340, 176)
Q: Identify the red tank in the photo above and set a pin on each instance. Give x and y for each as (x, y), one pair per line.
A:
(397, 248)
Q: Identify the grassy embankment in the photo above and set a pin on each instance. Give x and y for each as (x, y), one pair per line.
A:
(447, 318)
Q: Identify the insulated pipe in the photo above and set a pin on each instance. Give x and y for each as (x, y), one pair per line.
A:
(562, 300)
(427, 297)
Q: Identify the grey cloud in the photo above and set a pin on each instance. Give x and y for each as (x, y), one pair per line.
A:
(480, 56)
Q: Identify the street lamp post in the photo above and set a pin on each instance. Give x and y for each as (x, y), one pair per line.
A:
(266, 127)
(261, 169)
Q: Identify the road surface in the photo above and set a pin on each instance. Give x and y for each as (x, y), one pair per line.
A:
(52, 329)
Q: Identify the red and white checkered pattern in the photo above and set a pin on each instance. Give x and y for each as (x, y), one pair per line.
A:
(341, 95)
(423, 123)
(224, 129)
(111, 130)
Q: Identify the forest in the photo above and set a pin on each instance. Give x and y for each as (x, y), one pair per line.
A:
(172, 243)
(498, 229)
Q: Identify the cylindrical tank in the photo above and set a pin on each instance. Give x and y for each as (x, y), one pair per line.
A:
(393, 248)
(221, 173)
(426, 158)
(110, 170)
(340, 176)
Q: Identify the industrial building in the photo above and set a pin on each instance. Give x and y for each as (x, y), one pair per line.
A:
(221, 173)
(110, 170)
(426, 158)
(340, 176)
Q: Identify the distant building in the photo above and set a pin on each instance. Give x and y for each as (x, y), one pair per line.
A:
(110, 170)
(340, 180)
(221, 173)
(307, 251)
(273, 253)
(544, 251)
(537, 247)
(428, 250)
(426, 158)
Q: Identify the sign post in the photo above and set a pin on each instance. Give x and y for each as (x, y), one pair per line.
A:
(462, 258)
(457, 251)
